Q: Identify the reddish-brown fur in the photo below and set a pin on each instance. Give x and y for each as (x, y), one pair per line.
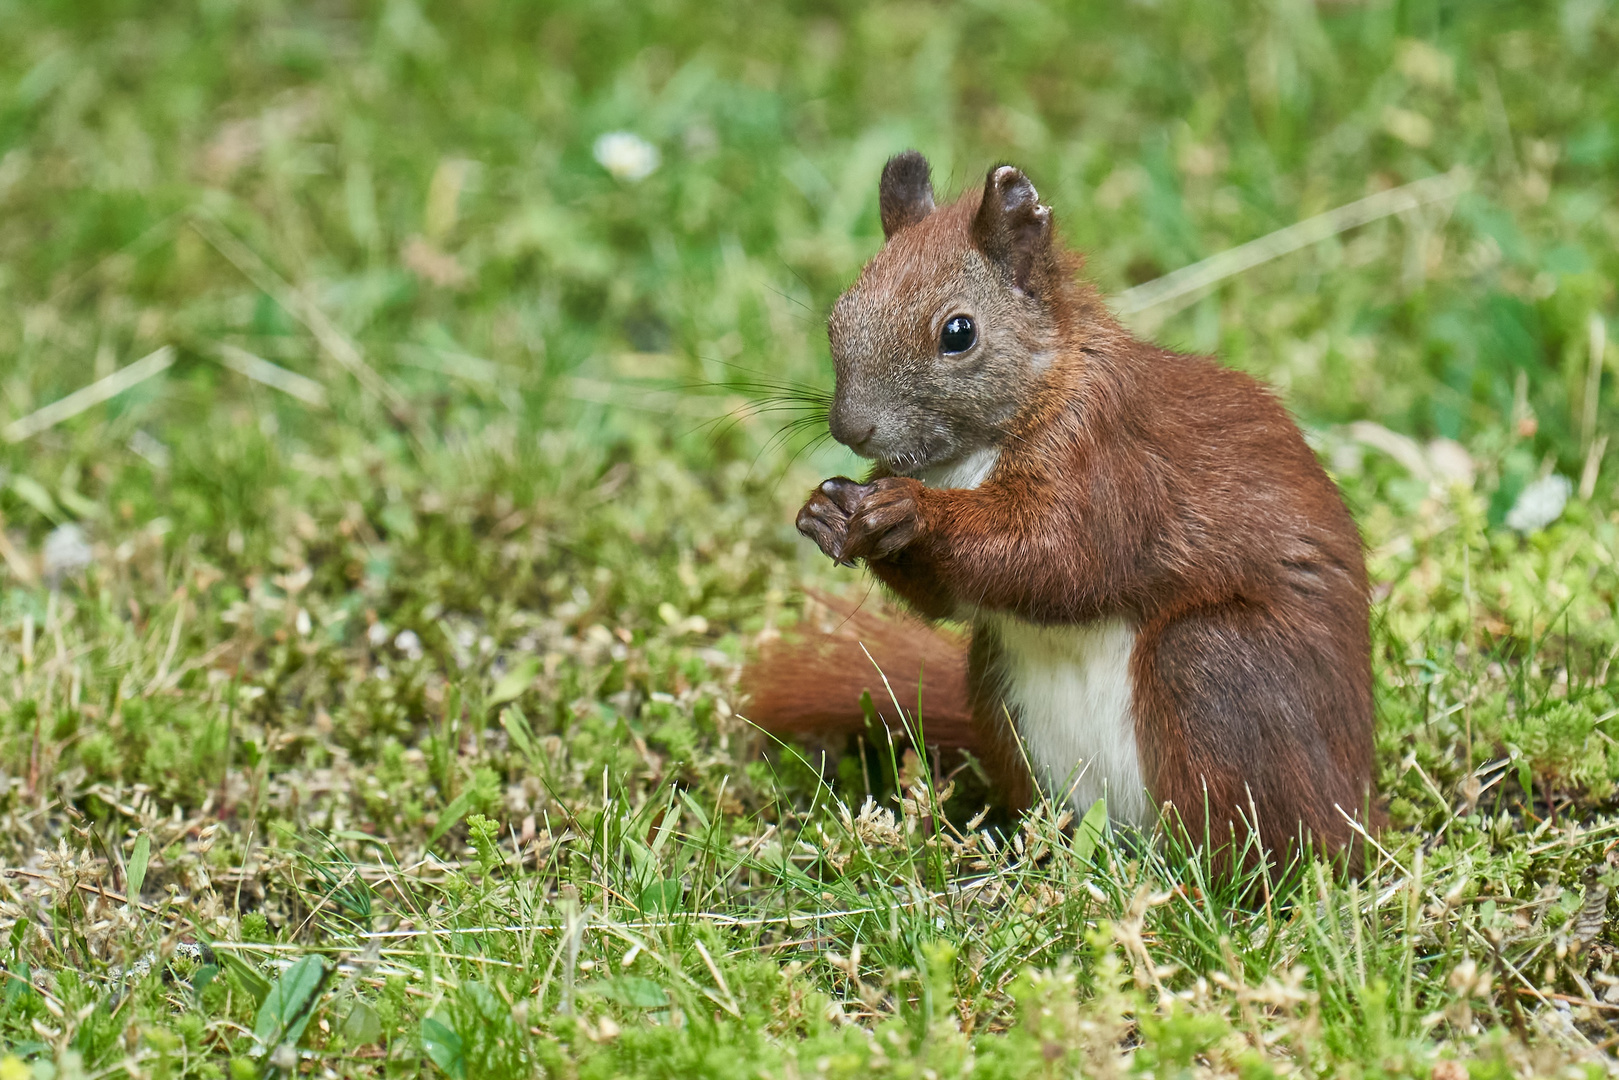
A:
(810, 683)
(1131, 482)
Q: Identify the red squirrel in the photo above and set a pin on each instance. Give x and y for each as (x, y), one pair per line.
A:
(1167, 594)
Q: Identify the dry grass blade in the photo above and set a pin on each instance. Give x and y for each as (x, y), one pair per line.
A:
(168, 653)
(91, 889)
(15, 561)
(337, 344)
(641, 399)
(729, 1002)
(90, 396)
(1216, 268)
(274, 376)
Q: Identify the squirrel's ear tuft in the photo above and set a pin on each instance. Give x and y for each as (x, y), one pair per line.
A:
(905, 194)
(1012, 227)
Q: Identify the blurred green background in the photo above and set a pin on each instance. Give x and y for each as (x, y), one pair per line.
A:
(425, 174)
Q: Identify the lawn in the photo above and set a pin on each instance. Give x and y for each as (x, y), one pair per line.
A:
(369, 660)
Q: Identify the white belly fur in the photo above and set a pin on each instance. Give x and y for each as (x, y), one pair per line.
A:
(1069, 688)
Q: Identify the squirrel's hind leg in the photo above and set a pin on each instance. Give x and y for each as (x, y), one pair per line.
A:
(999, 752)
(1248, 720)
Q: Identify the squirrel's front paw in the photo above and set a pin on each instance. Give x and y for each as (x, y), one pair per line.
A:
(888, 519)
(825, 517)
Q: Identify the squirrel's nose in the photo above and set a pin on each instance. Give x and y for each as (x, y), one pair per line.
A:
(854, 432)
(854, 442)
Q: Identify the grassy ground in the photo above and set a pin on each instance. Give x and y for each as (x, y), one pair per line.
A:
(402, 672)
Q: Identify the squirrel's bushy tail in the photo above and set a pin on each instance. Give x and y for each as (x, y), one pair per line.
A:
(809, 682)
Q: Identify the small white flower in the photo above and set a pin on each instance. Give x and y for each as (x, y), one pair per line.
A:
(302, 624)
(626, 155)
(1540, 504)
(66, 551)
(408, 643)
(377, 634)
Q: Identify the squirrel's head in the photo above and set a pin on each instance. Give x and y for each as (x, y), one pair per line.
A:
(951, 330)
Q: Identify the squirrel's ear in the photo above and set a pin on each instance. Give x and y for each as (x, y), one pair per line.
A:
(1012, 227)
(905, 194)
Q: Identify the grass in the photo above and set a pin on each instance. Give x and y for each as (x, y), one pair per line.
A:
(401, 674)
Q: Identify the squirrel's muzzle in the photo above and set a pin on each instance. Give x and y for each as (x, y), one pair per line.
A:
(853, 427)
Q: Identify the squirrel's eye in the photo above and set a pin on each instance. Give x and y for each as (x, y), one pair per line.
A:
(958, 335)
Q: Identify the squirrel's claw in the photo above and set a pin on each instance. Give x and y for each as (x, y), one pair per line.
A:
(849, 521)
(845, 493)
(826, 523)
(889, 519)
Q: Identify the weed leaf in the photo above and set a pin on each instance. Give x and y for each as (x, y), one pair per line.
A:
(19, 984)
(362, 1026)
(290, 1004)
(200, 979)
(443, 1047)
(660, 896)
(631, 990)
(516, 725)
(515, 681)
(696, 809)
(453, 813)
(252, 983)
(138, 860)
(1090, 830)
